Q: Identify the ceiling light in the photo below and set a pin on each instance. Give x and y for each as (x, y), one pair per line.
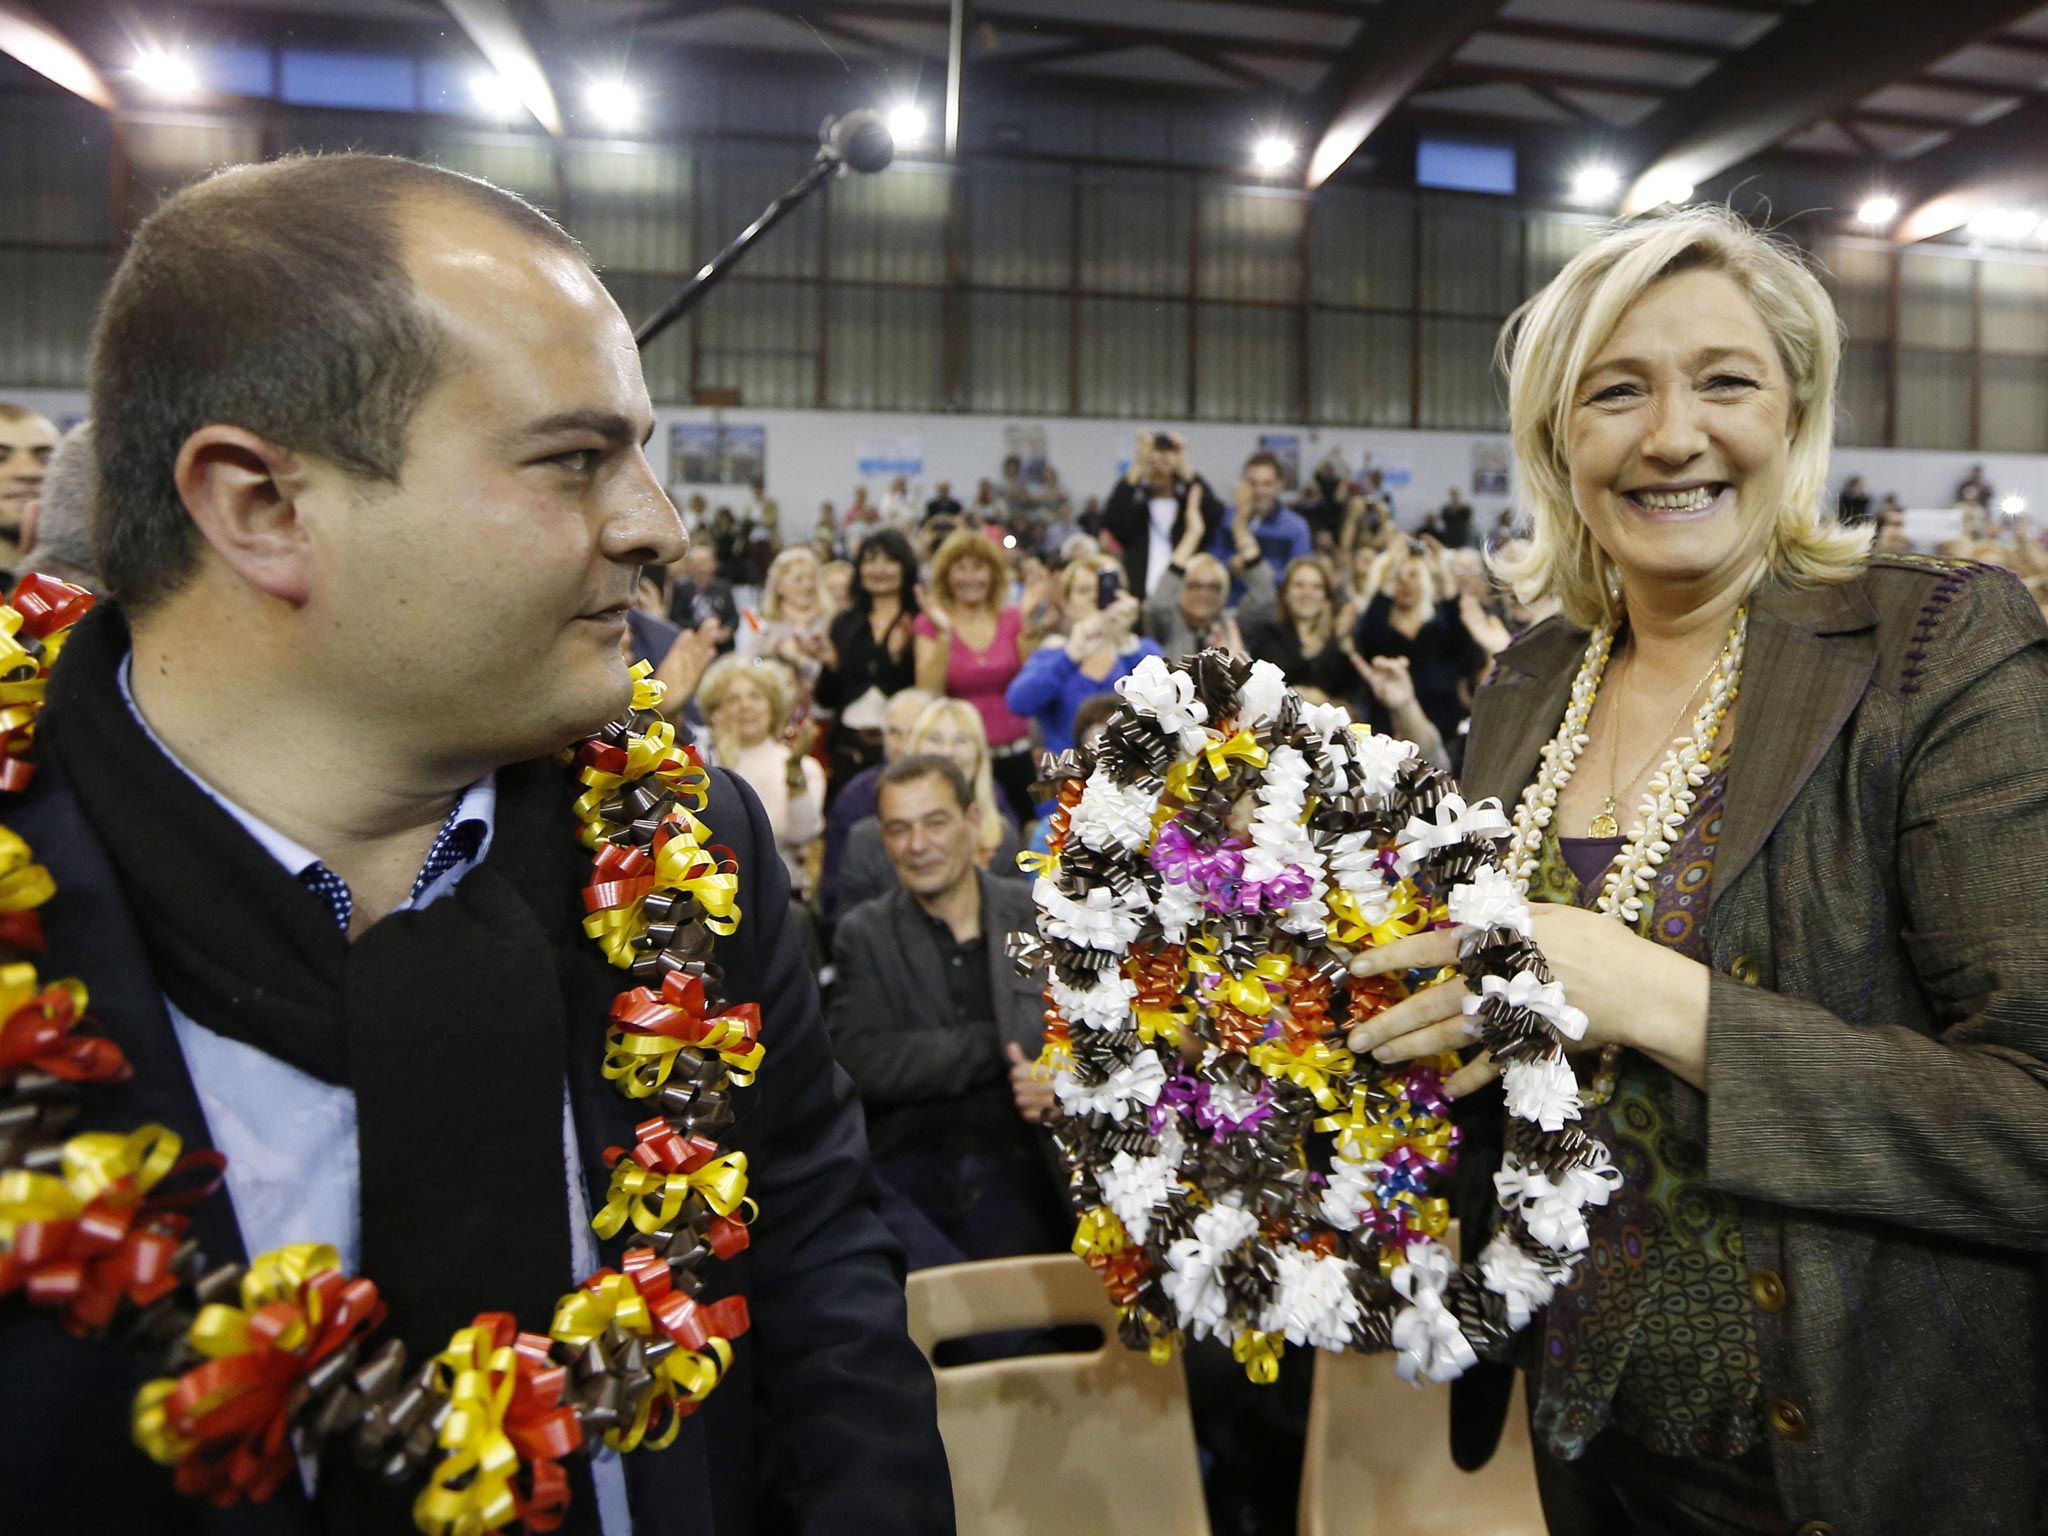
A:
(1665, 187)
(165, 73)
(2004, 224)
(494, 94)
(906, 123)
(1878, 211)
(614, 103)
(1595, 183)
(1273, 153)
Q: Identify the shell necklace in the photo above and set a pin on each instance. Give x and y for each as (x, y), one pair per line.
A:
(1662, 811)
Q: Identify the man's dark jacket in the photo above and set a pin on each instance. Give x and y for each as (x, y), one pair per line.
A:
(892, 1017)
(826, 1423)
(1127, 516)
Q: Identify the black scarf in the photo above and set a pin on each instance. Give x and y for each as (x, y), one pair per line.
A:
(449, 1024)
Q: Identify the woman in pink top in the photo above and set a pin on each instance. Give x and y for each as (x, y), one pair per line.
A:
(970, 645)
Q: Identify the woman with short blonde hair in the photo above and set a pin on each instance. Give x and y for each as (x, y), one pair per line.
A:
(1546, 348)
(795, 618)
(952, 729)
(748, 702)
(1779, 811)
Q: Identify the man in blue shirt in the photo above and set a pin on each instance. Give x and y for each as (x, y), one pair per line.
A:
(1282, 532)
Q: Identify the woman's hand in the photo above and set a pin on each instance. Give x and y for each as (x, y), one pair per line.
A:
(933, 609)
(1389, 679)
(899, 635)
(1487, 632)
(1633, 992)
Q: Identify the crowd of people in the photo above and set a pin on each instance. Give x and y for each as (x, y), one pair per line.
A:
(935, 650)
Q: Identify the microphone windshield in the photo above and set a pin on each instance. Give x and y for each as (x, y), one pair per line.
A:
(860, 140)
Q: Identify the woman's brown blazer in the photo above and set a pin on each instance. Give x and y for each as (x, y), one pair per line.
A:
(1877, 1034)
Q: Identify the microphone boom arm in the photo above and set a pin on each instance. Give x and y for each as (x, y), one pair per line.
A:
(822, 170)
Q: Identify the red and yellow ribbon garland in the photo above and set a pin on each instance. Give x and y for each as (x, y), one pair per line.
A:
(101, 1231)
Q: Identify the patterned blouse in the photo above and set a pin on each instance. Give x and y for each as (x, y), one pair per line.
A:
(1654, 1334)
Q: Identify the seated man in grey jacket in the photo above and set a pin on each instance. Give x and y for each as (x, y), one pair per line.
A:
(938, 1031)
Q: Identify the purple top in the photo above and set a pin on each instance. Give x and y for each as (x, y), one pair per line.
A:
(1590, 858)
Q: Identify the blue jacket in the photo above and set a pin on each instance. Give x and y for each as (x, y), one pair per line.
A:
(1282, 537)
(1052, 688)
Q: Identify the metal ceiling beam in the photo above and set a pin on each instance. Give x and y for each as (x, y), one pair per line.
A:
(34, 42)
(1538, 79)
(1112, 34)
(1796, 74)
(1394, 52)
(492, 26)
(1606, 37)
(2003, 163)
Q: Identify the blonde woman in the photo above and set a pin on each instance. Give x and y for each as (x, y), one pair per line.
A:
(1096, 652)
(795, 620)
(1404, 615)
(748, 701)
(1782, 808)
(951, 728)
(970, 645)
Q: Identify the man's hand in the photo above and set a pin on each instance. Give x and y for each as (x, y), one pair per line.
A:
(1036, 1101)
(1195, 531)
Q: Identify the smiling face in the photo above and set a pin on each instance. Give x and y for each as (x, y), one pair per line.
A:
(797, 586)
(1679, 433)
(880, 575)
(1307, 594)
(745, 713)
(929, 836)
(968, 582)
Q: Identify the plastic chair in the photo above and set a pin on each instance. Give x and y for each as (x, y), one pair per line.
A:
(1378, 1460)
(1086, 1444)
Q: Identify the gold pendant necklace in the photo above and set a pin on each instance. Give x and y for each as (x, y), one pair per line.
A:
(1604, 824)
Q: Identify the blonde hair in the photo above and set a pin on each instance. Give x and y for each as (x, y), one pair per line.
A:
(1205, 564)
(1379, 577)
(771, 677)
(1090, 565)
(787, 561)
(966, 719)
(1548, 344)
(967, 544)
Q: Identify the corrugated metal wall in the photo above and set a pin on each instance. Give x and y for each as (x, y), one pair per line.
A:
(1027, 286)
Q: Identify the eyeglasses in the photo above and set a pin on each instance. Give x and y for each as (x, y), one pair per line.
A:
(1204, 586)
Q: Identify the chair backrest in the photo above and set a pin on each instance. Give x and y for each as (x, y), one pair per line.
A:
(1378, 1460)
(1098, 1441)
